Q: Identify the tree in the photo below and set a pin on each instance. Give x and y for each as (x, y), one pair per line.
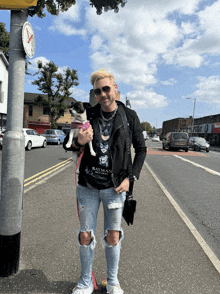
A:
(55, 6)
(4, 40)
(146, 127)
(57, 87)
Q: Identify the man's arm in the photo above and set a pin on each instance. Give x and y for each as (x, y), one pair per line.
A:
(84, 136)
(139, 146)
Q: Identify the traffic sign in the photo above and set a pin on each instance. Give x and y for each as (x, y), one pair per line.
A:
(17, 4)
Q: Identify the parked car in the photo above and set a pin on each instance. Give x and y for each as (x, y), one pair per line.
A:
(198, 143)
(33, 139)
(54, 136)
(156, 138)
(1, 138)
(176, 140)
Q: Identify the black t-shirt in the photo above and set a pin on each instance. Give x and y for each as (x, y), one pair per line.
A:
(98, 170)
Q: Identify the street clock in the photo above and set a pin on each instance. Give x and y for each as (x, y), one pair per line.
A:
(17, 4)
(28, 39)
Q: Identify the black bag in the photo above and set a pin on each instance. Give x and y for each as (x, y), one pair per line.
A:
(130, 202)
(129, 209)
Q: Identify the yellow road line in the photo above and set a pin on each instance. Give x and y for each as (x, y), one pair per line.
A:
(58, 166)
(34, 176)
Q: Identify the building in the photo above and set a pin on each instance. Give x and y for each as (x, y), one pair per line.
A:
(3, 90)
(176, 125)
(207, 127)
(37, 117)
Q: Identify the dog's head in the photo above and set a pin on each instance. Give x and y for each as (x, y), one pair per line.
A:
(78, 109)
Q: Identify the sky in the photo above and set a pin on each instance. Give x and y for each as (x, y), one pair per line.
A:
(161, 52)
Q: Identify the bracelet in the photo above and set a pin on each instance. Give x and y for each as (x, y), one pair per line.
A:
(77, 143)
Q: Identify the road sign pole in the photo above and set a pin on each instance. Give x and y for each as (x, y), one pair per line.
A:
(13, 153)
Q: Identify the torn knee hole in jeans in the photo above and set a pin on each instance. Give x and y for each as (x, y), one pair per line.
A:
(93, 240)
(105, 243)
(115, 205)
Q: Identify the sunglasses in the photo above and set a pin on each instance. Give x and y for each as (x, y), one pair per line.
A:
(105, 89)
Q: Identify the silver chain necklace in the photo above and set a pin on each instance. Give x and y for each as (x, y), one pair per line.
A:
(114, 113)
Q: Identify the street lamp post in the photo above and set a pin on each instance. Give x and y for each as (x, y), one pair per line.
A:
(193, 112)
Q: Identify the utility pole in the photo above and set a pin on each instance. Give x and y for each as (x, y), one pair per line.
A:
(194, 107)
(128, 102)
(193, 113)
(13, 153)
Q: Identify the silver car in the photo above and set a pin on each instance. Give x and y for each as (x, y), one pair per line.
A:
(176, 140)
(198, 143)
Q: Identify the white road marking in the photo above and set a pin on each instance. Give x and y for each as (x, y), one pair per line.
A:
(211, 255)
(213, 172)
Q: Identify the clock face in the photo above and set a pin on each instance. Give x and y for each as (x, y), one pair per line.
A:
(28, 39)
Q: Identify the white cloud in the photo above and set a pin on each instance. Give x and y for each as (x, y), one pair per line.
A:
(129, 47)
(201, 39)
(208, 89)
(164, 7)
(65, 22)
(143, 35)
(169, 82)
(130, 44)
(96, 43)
(188, 28)
(38, 28)
(209, 41)
(146, 99)
(80, 94)
(183, 57)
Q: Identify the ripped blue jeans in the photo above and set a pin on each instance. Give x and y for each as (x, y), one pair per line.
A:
(88, 201)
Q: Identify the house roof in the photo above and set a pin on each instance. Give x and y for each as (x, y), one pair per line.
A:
(29, 98)
(4, 59)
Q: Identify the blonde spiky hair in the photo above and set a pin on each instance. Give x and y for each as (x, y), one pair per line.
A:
(101, 74)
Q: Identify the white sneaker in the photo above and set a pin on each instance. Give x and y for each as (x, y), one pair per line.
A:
(114, 289)
(88, 290)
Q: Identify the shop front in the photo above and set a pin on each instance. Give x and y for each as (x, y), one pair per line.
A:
(39, 126)
(216, 133)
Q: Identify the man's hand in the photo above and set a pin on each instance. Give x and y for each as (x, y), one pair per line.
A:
(124, 187)
(85, 136)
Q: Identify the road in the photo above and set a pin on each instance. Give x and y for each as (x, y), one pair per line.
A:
(39, 161)
(192, 179)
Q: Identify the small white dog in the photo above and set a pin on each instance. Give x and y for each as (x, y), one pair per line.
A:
(78, 109)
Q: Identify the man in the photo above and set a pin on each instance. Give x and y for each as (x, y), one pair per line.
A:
(105, 178)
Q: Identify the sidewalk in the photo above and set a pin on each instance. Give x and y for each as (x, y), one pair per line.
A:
(159, 254)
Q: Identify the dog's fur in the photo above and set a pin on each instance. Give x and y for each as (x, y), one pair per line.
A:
(78, 109)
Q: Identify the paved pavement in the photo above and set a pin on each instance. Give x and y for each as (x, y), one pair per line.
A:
(159, 253)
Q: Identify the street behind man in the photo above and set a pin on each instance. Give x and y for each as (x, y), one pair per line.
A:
(104, 177)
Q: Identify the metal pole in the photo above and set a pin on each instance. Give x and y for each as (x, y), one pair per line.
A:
(193, 113)
(13, 153)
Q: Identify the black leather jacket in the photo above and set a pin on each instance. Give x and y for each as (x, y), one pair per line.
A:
(117, 144)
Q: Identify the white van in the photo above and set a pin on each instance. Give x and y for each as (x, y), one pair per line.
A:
(145, 135)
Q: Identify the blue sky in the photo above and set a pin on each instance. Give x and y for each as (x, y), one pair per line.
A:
(160, 52)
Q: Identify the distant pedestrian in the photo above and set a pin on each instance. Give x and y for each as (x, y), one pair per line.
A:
(104, 178)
